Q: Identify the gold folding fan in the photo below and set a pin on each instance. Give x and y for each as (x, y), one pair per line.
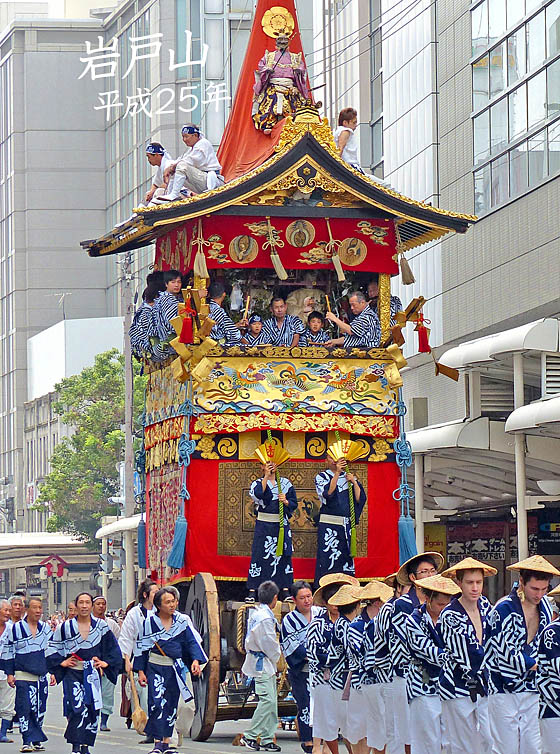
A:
(347, 449)
(272, 453)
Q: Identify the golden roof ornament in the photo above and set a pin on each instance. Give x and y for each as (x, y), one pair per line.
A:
(278, 21)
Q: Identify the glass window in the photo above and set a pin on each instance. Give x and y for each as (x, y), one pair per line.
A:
(517, 112)
(553, 28)
(214, 6)
(377, 97)
(498, 125)
(479, 28)
(531, 5)
(515, 11)
(518, 169)
(480, 83)
(535, 42)
(498, 69)
(553, 89)
(517, 58)
(536, 147)
(482, 190)
(554, 149)
(377, 137)
(481, 137)
(496, 19)
(500, 180)
(536, 98)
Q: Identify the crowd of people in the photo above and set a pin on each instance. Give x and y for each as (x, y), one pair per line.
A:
(152, 331)
(87, 652)
(419, 662)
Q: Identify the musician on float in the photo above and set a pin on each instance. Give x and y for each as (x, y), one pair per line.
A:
(282, 329)
(364, 331)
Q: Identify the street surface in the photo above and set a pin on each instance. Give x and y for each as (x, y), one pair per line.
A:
(127, 741)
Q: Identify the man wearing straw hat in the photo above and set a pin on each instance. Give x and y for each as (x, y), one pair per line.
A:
(324, 706)
(383, 657)
(463, 684)
(334, 531)
(375, 594)
(343, 661)
(418, 567)
(548, 684)
(427, 653)
(516, 624)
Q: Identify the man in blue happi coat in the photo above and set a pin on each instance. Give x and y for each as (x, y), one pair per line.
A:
(23, 660)
(333, 534)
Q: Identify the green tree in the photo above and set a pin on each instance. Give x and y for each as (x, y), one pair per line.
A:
(84, 467)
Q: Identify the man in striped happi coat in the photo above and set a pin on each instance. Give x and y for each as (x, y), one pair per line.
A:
(324, 699)
(372, 707)
(224, 331)
(364, 331)
(282, 329)
(516, 624)
(548, 684)
(293, 641)
(418, 567)
(384, 653)
(427, 653)
(463, 680)
(344, 663)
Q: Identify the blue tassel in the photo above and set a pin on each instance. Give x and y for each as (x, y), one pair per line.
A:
(141, 543)
(407, 538)
(176, 557)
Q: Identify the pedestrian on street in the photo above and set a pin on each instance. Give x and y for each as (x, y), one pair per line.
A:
(293, 635)
(107, 686)
(516, 624)
(263, 652)
(80, 652)
(130, 630)
(25, 665)
(463, 680)
(165, 652)
(7, 693)
(548, 684)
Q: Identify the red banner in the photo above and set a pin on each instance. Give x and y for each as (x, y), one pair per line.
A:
(234, 242)
(202, 537)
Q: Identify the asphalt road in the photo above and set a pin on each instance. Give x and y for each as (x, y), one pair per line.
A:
(127, 741)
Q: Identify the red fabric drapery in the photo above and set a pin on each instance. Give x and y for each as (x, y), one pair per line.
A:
(202, 516)
(243, 148)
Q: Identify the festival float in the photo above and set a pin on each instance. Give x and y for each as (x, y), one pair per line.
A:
(292, 214)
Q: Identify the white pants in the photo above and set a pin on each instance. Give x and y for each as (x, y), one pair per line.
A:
(550, 735)
(400, 701)
(355, 726)
(329, 712)
(375, 714)
(392, 720)
(426, 726)
(467, 726)
(196, 180)
(514, 723)
(7, 701)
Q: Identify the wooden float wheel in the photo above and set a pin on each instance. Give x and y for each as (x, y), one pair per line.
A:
(203, 608)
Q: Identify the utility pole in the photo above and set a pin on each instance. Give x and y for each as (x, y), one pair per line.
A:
(128, 313)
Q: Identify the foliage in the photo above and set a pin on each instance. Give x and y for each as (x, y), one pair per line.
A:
(84, 467)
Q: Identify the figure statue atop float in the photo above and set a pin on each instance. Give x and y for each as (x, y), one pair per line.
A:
(281, 77)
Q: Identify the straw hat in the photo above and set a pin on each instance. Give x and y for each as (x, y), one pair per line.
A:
(346, 595)
(439, 584)
(468, 564)
(338, 578)
(554, 592)
(535, 563)
(377, 590)
(333, 578)
(402, 575)
(391, 580)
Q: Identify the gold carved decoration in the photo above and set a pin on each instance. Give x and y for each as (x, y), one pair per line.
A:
(206, 447)
(376, 233)
(384, 305)
(316, 447)
(374, 426)
(294, 443)
(276, 21)
(243, 249)
(248, 443)
(236, 516)
(300, 233)
(227, 447)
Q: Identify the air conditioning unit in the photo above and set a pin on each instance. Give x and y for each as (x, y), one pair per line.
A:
(550, 374)
(496, 397)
